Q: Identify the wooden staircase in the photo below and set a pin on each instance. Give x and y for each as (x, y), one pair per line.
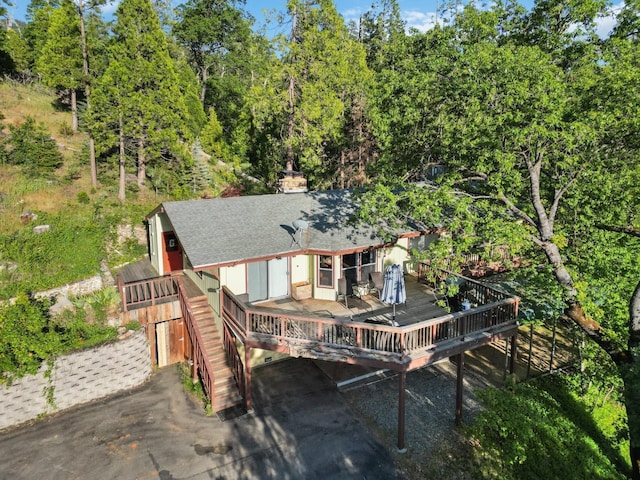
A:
(225, 388)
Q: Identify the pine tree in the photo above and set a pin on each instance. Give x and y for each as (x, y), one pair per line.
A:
(138, 100)
(60, 61)
(326, 79)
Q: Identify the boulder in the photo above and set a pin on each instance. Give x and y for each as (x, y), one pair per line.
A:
(28, 216)
(41, 229)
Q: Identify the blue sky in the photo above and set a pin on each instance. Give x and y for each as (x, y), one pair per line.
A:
(419, 14)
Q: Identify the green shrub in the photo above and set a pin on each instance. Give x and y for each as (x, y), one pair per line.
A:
(29, 336)
(33, 148)
(99, 304)
(83, 198)
(133, 325)
(542, 429)
(70, 251)
(194, 388)
(65, 129)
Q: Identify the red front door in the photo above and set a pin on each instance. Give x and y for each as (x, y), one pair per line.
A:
(172, 254)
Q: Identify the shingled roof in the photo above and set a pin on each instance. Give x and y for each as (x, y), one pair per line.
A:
(233, 230)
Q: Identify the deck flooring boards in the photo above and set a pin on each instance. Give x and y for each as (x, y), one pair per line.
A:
(190, 287)
(137, 271)
(420, 305)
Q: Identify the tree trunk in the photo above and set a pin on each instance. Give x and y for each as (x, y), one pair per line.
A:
(204, 76)
(121, 186)
(291, 126)
(87, 92)
(142, 165)
(630, 373)
(291, 94)
(74, 110)
(92, 159)
(628, 362)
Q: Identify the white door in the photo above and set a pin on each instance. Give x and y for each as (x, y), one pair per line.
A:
(278, 277)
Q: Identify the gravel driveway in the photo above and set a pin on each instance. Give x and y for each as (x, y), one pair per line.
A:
(431, 438)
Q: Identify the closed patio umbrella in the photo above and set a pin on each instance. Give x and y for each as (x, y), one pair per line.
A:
(393, 289)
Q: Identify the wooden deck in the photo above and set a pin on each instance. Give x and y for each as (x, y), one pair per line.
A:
(424, 333)
(420, 306)
(137, 271)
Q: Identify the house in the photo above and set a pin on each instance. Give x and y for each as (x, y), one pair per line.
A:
(245, 276)
(263, 246)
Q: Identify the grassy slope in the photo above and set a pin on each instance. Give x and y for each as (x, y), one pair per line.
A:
(19, 193)
(82, 231)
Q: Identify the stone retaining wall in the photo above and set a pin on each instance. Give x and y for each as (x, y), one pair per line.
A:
(83, 287)
(77, 378)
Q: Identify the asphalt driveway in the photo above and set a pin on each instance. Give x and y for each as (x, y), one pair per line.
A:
(301, 429)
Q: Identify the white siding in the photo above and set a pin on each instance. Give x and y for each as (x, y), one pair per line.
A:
(157, 224)
(420, 243)
(234, 278)
(398, 254)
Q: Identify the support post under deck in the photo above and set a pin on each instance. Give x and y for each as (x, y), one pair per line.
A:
(401, 397)
(459, 389)
(247, 378)
(514, 354)
(194, 363)
(153, 343)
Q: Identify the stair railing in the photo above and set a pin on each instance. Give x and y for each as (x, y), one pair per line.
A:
(201, 359)
(233, 358)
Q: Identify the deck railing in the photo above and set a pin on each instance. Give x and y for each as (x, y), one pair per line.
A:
(201, 360)
(476, 292)
(393, 343)
(147, 292)
(491, 308)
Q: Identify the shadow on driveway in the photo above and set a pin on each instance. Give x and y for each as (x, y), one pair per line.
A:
(301, 429)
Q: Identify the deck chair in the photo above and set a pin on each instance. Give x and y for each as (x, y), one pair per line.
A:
(376, 280)
(345, 290)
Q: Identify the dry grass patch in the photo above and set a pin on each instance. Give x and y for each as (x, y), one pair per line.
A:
(17, 102)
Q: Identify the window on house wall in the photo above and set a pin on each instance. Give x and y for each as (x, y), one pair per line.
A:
(325, 271)
(152, 242)
(356, 267)
(367, 265)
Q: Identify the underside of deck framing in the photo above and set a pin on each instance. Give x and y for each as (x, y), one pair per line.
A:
(368, 358)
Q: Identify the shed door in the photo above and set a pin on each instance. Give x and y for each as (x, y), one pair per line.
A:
(172, 254)
(169, 342)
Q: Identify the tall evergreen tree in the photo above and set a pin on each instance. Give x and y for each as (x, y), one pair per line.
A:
(382, 31)
(60, 60)
(321, 87)
(210, 30)
(16, 47)
(147, 113)
(35, 32)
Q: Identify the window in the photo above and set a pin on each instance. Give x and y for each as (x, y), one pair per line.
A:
(358, 266)
(367, 264)
(325, 271)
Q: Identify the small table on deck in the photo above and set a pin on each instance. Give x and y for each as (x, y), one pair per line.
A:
(361, 289)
